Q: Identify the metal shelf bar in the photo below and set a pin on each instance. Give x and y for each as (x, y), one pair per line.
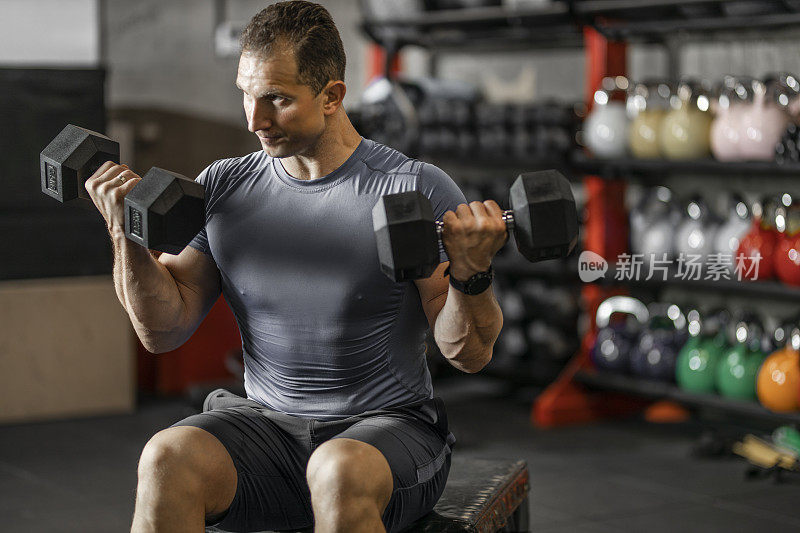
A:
(632, 20)
(657, 390)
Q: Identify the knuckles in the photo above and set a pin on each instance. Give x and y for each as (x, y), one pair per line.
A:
(465, 222)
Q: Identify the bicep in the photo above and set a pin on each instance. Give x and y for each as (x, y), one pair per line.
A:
(198, 280)
(433, 293)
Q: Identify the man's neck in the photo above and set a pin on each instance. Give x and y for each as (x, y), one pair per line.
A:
(332, 150)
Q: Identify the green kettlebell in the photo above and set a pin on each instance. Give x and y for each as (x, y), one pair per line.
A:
(697, 360)
(737, 370)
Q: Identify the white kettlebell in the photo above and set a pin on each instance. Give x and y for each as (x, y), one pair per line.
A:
(606, 127)
(695, 234)
(730, 233)
(653, 226)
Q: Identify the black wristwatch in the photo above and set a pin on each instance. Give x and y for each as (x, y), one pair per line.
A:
(474, 285)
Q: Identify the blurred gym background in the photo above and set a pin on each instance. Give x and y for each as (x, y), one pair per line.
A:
(615, 440)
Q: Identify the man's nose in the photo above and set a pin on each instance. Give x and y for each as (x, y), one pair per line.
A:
(259, 117)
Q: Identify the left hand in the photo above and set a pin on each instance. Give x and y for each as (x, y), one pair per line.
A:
(472, 235)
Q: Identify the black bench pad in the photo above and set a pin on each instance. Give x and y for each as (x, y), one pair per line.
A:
(481, 496)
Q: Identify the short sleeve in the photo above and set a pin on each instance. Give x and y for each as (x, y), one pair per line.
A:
(207, 178)
(443, 193)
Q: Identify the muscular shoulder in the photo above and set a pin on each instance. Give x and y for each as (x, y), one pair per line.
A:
(223, 172)
(423, 176)
(386, 160)
(406, 173)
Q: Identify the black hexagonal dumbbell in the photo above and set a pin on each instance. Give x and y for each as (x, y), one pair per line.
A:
(543, 219)
(163, 212)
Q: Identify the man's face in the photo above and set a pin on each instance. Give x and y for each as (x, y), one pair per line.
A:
(285, 115)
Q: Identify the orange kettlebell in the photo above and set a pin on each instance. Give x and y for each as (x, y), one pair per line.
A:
(779, 377)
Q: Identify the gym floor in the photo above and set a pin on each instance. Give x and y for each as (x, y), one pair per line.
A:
(80, 475)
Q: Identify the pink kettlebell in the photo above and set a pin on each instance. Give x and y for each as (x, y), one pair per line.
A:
(765, 119)
(729, 107)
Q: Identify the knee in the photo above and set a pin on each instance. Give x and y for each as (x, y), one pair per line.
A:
(346, 468)
(181, 454)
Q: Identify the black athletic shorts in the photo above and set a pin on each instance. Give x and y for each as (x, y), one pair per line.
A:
(271, 450)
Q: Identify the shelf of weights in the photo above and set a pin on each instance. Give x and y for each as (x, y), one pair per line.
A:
(659, 391)
(564, 24)
(652, 170)
(558, 24)
(654, 390)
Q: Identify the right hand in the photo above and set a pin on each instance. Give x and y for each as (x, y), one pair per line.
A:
(107, 187)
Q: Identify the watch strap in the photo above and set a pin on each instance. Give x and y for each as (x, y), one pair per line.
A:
(474, 285)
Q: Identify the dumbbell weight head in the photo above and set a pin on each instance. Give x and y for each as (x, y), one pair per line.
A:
(405, 231)
(545, 216)
(70, 159)
(164, 211)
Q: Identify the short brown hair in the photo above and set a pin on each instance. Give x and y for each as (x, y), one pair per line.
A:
(309, 30)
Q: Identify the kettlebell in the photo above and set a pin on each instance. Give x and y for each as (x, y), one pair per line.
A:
(686, 129)
(606, 127)
(787, 250)
(612, 346)
(737, 369)
(647, 104)
(653, 222)
(695, 234)
(697, 360)
(779, 376)
(788, 148)
(729, 235)
(764, 120)
(655, 352)
(729, 106)
(755, 258)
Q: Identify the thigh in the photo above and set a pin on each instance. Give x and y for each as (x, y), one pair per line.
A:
(270, 456)
(419, 457)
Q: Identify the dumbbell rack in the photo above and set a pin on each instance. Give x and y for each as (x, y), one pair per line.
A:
(602, 29)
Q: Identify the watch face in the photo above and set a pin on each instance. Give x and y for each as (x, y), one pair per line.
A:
(479, 285)
(474, 285)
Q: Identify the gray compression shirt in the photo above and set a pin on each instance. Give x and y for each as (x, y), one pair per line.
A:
(325, 333)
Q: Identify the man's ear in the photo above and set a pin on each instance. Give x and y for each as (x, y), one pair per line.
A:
(332, 96)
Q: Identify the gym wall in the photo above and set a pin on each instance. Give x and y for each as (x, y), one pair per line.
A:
(50, 33)
(161, 55)
(66, 345)
(50, 75)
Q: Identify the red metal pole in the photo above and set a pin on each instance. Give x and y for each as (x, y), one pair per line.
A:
(605, 232)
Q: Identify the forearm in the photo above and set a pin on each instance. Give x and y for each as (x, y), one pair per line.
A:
(467, 328)
(149, 294)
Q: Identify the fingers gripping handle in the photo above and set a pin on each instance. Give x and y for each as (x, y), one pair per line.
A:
(508, 218)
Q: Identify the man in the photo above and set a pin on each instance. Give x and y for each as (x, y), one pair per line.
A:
(340, 429)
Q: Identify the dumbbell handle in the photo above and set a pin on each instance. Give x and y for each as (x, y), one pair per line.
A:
(508, 218)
